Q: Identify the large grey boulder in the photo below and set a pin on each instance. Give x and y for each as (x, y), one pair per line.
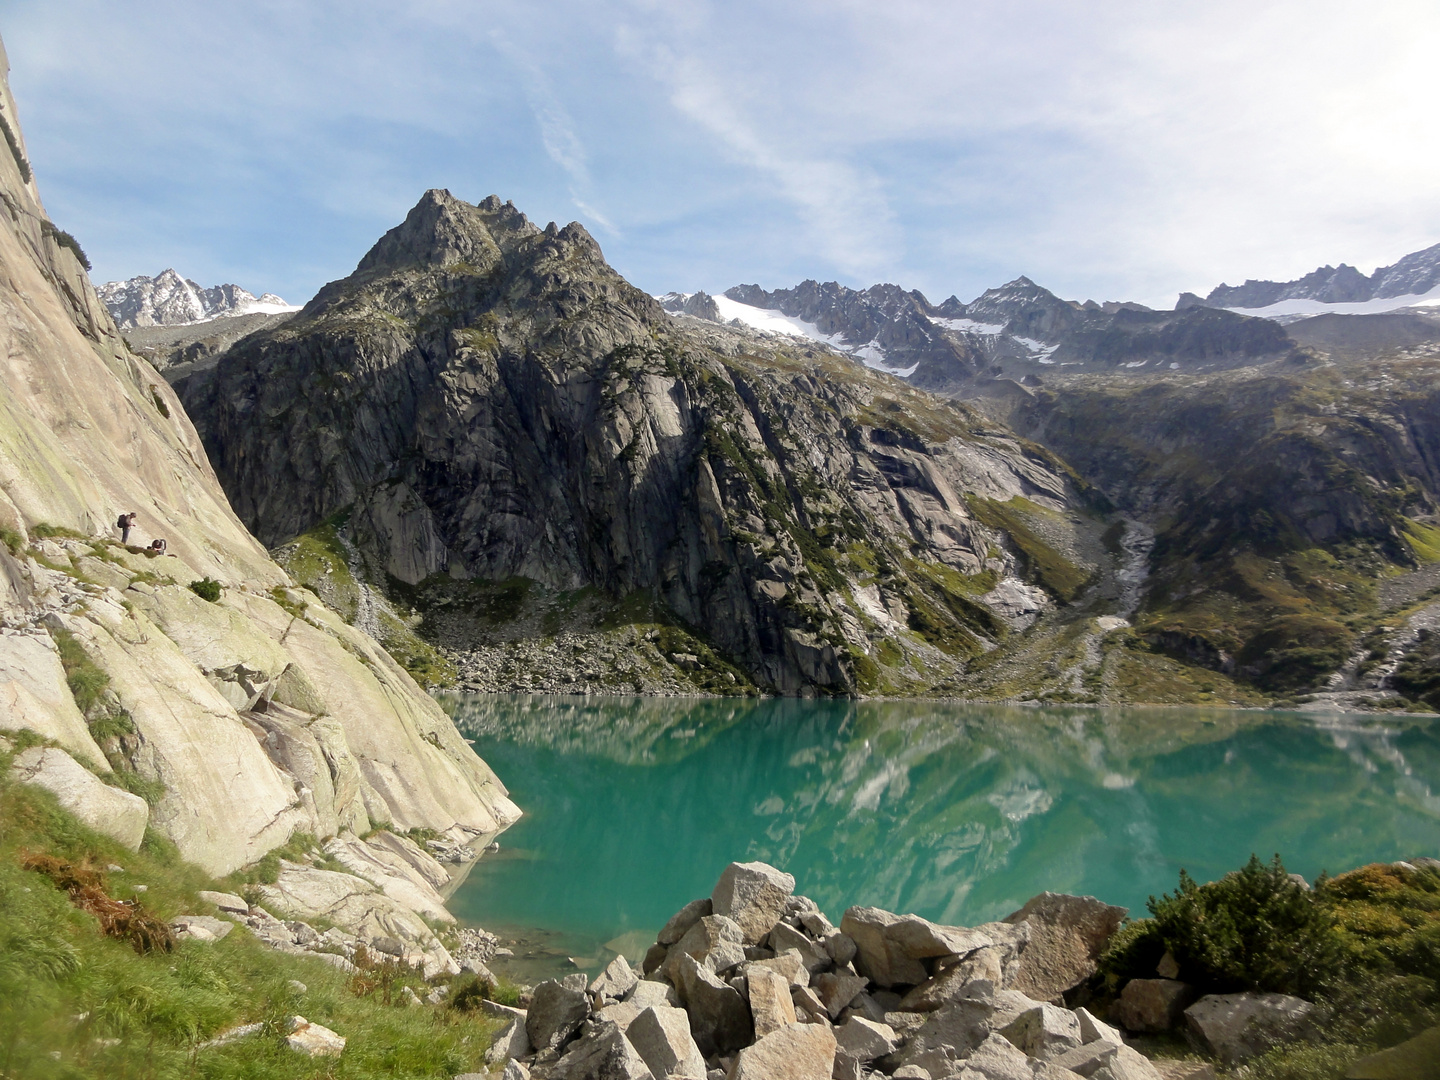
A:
(797, 1052)
(616, 981)
(998, 1059)
(770, 1004)
(1093, 1030)
(513, 1041)
(1043, 1032)
(1236, 1027)
(1127, 1064)
(715, 941)
(118, 814)
(719, 1016)
(661, 1036)
(785, 938)
(646, 993)
(603, 1054)
(890, 947)
(754, 895)
(683, 919)
(1152, 1005)
(865, 1040)
(837, 990)
(1067, 936)
(789, 964)
(983, 964)
(555, 1014)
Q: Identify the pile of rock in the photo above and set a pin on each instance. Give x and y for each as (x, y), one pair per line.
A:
(755, 983)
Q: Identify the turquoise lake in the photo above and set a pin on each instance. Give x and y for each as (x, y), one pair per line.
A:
(957, 812)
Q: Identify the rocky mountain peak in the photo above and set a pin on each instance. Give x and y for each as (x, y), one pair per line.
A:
(168, 299)
(440, 230)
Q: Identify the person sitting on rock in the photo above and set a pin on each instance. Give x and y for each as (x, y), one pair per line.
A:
(125, 524)
(158, 546)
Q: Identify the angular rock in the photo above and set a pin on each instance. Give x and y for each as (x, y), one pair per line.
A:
(1236, 1027)
(313, 1040)
(715, 941)
(865, 1040)
(683, 919)
(646, 993)
(1168, 967)
(513, 1041)
(754, 895)
(837, 990)
(602, 1054)
(1087, 1058)
(889, 947)
(914, 1072)
(661, 1036)
(789, 964)
(1172, 1069)
(118, 814)
(962, 1026)
(1152, 1005)
(1126, 1064)
(555, 1014)
(1043, 1032)
(1092, 1029)
(784, 938)
(846, 1067)
(950, 984)
(210, 929)
(515, 1070)
(816, 924)
(617, 980)
(797, 1052)
(770, 1004)
(719, 1016)
(224, 901)
(1067, 936)
(654, 959)
(997, 1059)
(840, 947)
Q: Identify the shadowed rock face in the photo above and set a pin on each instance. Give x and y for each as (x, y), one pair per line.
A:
(490, 400)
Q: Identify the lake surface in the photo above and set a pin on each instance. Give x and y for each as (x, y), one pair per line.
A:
(957, 812)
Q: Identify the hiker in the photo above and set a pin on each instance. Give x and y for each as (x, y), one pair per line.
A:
(158, 546)
(125, 524)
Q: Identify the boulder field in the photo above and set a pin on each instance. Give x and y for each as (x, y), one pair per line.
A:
(754, 983)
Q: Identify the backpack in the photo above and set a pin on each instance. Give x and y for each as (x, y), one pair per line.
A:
(120, 524)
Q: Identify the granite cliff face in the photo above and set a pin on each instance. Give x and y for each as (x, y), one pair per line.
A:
(240, 720)
(485, 402)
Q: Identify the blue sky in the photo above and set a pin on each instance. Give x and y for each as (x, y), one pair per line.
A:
(1108, 150)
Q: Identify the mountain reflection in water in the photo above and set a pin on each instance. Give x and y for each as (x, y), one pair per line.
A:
(957, 812)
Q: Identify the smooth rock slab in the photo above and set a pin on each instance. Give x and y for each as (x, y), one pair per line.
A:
(754, 895)
(1235, 1027)
(661, 1036)
(797, 1052)
(224, 901)
(1152, 1005)
(118, 814)
(556, 1013)
(313, 1040)
(513, 1041)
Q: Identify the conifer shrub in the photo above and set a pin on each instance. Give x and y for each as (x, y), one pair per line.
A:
(206, 588)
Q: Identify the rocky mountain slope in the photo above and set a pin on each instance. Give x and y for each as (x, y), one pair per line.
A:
(226, 717)
(171, 300)
(1017, 331)
(489, 423)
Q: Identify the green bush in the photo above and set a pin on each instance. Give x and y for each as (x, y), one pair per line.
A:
(206, 589)
(159, 402)
(12, 540)
(65, 240)
(1254, 929)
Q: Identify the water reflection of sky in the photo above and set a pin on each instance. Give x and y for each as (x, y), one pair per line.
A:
(957, 812)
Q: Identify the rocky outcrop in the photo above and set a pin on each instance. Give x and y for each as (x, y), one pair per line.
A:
(767, 1012)
(487, 405)
(1415, 274)
(243, 719)
(108, 810)
(171, 300)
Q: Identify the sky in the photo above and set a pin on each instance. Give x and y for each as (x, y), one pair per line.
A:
(1108, 150)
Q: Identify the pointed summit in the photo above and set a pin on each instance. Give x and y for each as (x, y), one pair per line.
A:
(439, 231)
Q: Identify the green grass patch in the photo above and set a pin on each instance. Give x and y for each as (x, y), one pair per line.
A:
(85, 678)
(1055, 572)
(1424, 540)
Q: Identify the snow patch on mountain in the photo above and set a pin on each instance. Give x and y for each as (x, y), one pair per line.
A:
(968, 326)
(1291, 310)
(772, 321)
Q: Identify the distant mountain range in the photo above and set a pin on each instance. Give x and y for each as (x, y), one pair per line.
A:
(1413, 280)
(171, 300)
